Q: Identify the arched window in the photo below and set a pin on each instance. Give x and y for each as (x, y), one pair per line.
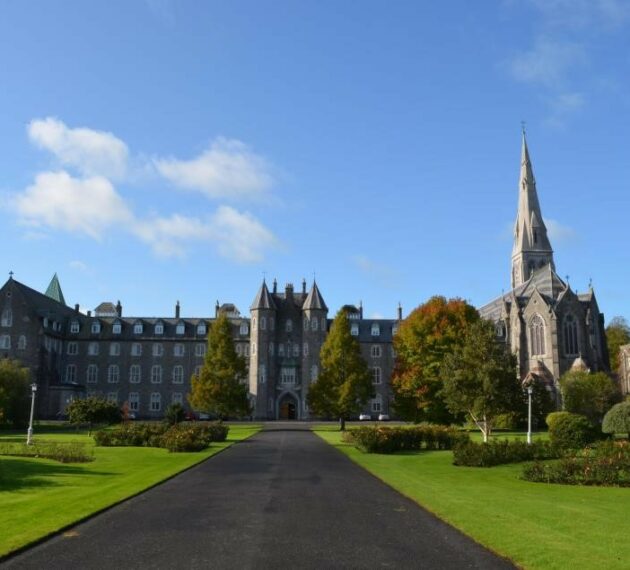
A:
(113, 374)
(156, 374)
(569, 332)
(7, 317)
(178, 374)
(263, 323)
(537, 335)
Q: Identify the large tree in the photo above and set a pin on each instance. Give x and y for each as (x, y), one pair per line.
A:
(479, 378)
(422, 342)
(14, 393)
(617, 334)
(589, 394)
(221, 388)
(93, 411)
(344, 383)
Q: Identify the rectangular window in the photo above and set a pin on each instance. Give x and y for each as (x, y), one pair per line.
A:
(156, 402)
(159, 328)
(178, 350)
(114, 349)
(116, 328)
(113, 374)
(135, 374)
(7, 317)
(200, 350)
(375, 351)
(376, 375)
(73, 348)
(354, 329)
(156, 374)
(134, 401)
(158, 349)
(93, 348)
(136, 349)
(96, 327)
(376, 405)
(180, 328)
(201, 329)
(71, 373)
(287, 375)
(92, 374)
(243, 331)
(137, 328)
(376, 329)
(178, 374)
(74, 327)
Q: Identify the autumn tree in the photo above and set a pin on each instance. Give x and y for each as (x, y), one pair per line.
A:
(479, 378)
(14, 393)
(617, 334)
(344, 383)
(220, 387)
(422, 342)
(588, 394)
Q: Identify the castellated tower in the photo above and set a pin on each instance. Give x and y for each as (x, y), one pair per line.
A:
(314, 323)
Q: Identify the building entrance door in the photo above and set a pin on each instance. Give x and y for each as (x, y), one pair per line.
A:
(288, 408)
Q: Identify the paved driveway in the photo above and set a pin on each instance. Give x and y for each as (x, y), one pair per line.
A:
(282, 499)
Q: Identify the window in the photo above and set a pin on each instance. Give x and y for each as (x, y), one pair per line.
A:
(354, 329)
(177, 398)
(281, 349)
(116, 328)
(74, 327)
(92, 374)
(239, 349)
(158, 349)
(73, 348)
(201, 328)
(136, 349)
(500, 329)
(271, 349)
(135, 373)
(93, 349)
(45, 322)
(296, 349)
(376, 329)
(537, 335)
(375, 351)
(178, 350)
(96, 327)
(156, 402)
(158, 328)
(22, 342)
(200, 349)
(137, 328)
(569, 330)
(314, 372)
(262, 374)
(376, 375)
(377, 405)
(289, 325)
(156, 374)
(263, 323)
(305, 349)
(114, 349)
(112, 397)
(71, 373)
(243, 329)
(394, 330)
(178, 374)
(7, 317)
(134, 401)
(306, 323)
(197, 371)
(314, 324)
(113, 374)
(180, 328)
(287, 375)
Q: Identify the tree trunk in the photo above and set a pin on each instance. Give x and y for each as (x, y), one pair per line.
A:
(342, 423)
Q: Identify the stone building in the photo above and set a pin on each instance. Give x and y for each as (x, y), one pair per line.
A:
(148, 361)
(624, 369)
(550, 327)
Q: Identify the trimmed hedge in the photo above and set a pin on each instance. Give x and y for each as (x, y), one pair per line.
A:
(379, 439)
(571, 431)
(71, 452)
(499, 452)
(607, 464)
(131, 435)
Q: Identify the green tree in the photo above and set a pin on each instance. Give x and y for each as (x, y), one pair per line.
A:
(422, 342)
(617, 419)
(174, 414)
(479, 378)
(588, 394)
(14, 393)
(617, 334)
(344, 383)
(220, 387)
(93, 411)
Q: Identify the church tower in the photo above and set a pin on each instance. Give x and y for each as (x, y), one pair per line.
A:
(532, 248)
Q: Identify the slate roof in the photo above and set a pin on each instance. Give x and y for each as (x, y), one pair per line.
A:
(314, 299)
(263, 299)
(54, 290)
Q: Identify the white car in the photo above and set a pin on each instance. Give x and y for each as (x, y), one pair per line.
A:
(383, 418)
(365, 417)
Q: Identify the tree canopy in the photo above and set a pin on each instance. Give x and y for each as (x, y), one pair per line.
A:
(479, 377)
(344, 383)
(422, 342)
(14, 393)
(617, 419)
(617, 334)
(588, 394)
(92, 411)
(221, 386)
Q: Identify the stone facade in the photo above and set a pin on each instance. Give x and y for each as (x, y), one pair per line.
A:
(624, 369)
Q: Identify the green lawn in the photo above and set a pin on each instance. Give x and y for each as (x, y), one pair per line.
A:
(40, 496)
(534, 524)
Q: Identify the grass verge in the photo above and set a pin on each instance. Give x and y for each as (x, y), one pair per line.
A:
(538, 526)
(40, 496)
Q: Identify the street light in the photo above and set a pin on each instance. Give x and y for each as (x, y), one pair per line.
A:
(29, 433)
(530, 389)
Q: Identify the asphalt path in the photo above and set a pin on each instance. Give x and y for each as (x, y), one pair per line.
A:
(281, 499)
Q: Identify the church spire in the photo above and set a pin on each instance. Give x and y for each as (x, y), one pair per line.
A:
(54, 290)
(532, 248)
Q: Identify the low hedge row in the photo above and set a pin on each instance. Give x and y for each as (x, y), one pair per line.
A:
(607, 464)
(379, 439)
(131, 435)
(71, 452)
(499, 452)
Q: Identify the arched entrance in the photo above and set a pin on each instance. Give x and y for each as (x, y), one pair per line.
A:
(288, 407)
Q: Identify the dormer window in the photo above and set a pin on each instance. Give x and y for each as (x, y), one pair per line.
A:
(376, 329)
(180, 328)
(354, 329)
(74, 327)
(96, 327)
(158, 329)
(116, 328)
(243, 330)
(137, 328)
(201, 328)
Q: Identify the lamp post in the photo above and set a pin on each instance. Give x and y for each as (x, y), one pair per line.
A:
(29, 433)
(530, 389)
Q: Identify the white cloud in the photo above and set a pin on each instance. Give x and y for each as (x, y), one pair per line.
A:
(79, 266)
(228, 169)
(59, 201)
(558, 232)
(91, 152)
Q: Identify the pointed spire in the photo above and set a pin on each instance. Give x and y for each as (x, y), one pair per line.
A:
(314, 300)
(263, 299)
(54, 290)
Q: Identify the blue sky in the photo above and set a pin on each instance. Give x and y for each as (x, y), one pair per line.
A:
(152, 151)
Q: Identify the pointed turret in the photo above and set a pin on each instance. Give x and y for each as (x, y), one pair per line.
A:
(263, 299)
(314, 299)
(54, 290)
(532, 248)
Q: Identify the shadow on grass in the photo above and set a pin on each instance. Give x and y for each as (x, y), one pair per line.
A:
(17, 474)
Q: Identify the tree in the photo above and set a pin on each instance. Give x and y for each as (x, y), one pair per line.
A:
(617, 334)
(93, 411)
(588, 394)
(344, 383)
(174, 414)
(479, 378)
(422, 342)
(617, 419)
(14, 393)
(219, 388)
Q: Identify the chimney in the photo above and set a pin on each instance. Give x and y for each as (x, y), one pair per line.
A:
(275, 286)
(361, 310)
(216, 309)
(303, 286)
(76, 308)
(89, 313)
(288, 291)
(399, 311)
(119, 308)
(177, 310)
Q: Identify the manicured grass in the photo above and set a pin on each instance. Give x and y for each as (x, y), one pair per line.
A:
(40, 496)
(534, 524)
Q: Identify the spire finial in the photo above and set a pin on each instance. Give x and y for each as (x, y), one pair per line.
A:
(523, 124)
(590, 283)
(10, 274)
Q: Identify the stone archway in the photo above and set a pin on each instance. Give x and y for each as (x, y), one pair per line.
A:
(288, 407)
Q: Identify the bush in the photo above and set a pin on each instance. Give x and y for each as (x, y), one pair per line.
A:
(571, 431)
(379, 439)
(73, 452)
(499, 452)
(193, 437)
(590, 395)
(93, 410)
(174, 414)
(606, 464)
(131, 435)
(617, 419)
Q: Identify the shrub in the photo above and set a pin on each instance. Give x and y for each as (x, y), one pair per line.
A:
(588, 394)
(379, 439)
(174, 414)
(617, 419)
(72, 452)
(131, 435)
(93, 410)
(499, 452)
(571, 431)
(193, 437)
(606, 464)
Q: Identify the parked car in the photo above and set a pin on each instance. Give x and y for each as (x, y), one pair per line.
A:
(365, 417)
(383, 418)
